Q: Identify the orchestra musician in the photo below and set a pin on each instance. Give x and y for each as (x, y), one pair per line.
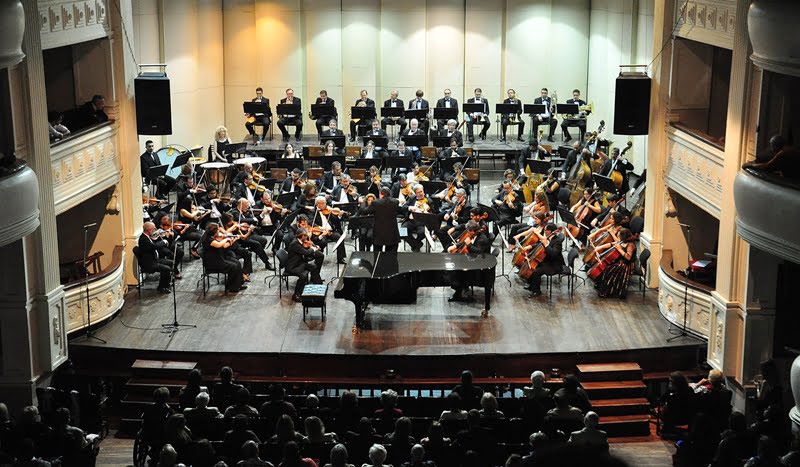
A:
(189, 214)
(151, 261)
(296, 120)
(416, 230)
(329, 220)
(553, 262)
(452, 151)
(323, 120)
(572, 157)
(386, 235)
(548, 116)
(363, 101)
(575, 120)
(269, 217)
(614, 205)
(293, 183)
(166, 244)
(308, 200)
(585, 210)
(263, 119)
(219, 206)
(333, 129)
(508, 205)
(376, 130)
(393, 101)
(457, 213)
(474, 241)
(533, 151)
(613, 281)
(247, 224)
(402, 150)
(248, 189)
(218, 148)
(550, 186)
(511, 118)
(371, 152)
(289, 152)
(414, 130)
(416, 175)
(184, 179)
(304, 259)
(455, 179)
(150, 159)
(234, 230)
(419, 103)
(539, 208)
(402, 189)
(329, 149)
(451, 132)
(510, 176)
(247, 169)
(446, 102)
(520, 231)
(617, 163)
(365, 235)
(331, 179)
(218, 256)
(345, 191)
(478, 118)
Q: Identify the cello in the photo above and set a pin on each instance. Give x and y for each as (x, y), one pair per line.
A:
(535, 257)
(603, 260)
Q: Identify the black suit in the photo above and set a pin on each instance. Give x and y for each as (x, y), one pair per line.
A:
(163, 184)
(363, 123)
(548, 102)
(481, 119)
(552, 264)
(323, 120)
(150, 261)
(456, 134)
(505, 119)
(622, 166)
(507, 215)
(262, 119)
(385, 232)
(441, 103)
(302, 261)
(296, 120)
(389, 121)
(526, 154)
(424, 124)
(578, 122)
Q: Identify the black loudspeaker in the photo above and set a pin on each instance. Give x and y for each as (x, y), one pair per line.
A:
(632, 104)
(153, 107)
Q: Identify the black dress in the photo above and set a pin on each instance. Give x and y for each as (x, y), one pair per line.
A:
(613, 281)
(217, 259)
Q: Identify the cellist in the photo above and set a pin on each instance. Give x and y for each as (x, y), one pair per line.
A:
(474, 241)
(585, 211)
(553, 262)
(613, 281)
(539, 208)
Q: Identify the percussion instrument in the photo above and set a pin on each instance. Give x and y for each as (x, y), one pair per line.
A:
(216, 172)
(253, 160)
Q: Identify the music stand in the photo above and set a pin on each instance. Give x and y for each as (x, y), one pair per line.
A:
(445, 113)
(567, 109)
(415, 140)
(181, 160)
(392, 112)
(322, 110)
(538, 166)
(431, 222)
(493, 217)
(474, 108)
(288, 109)
(433, 186)
(505, 109)
(441, 141)
(534, 109)
(362, 187)
(604, 183)
(419, 114)
(235, 148)
(367, 163)
(377, 141)
(447, 164)
(363, 113)
(360, 222)
(397, 162)
(327, 161)
(338, 141)
(289, 164)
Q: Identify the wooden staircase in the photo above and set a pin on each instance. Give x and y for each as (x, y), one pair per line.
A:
(617, 392)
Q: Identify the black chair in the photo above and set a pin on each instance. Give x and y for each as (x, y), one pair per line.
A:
(205, 278)
(141, 276)
(640, 270)
(283, 277)
(570, 272)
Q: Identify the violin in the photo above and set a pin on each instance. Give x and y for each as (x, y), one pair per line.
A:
(509, 199)
(318, 230)
(421, 206)
(335, 211)
(153, 201)
(256, 188)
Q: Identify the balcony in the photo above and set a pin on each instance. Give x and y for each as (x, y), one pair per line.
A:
(106, 293)
(694, 169)
(672, 292)
(84, 165)
(766, 213)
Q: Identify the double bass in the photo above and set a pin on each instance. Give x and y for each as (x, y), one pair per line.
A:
(615, 175)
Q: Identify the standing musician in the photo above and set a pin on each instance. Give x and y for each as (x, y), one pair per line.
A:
(385, 233)
(585, 210)
(263, 119)
(365, 235)
(420, 103)
(247, 223)
(456, 213)
(217, 149)
(150, 159)
(575, 120)
(613, 281)
(414, 130)
(294, 183)
(233, 229)
(474, 241)
(150, 260)
(345, 191)
(393, 101)
(218, 255)
(479, 118)
(304, 258)
(616, 163)
(553, 262)
(513, 118)
(451, 132)
(330, 226)
(446, 102)
(323, 120)
(331, 180)
(402, 189)
(533, 151)
(508, 205)
(189, 214)
(296, 120)
(166, 244)
(548, 116)
(363, 101)
(416, 230)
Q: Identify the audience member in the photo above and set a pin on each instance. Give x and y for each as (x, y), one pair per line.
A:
(514, 460)
(200, 419)
(338, 457)
(489, 407)
(250, 456)
(417, 458)
(56, 126)
(311, 408)
(400, 440)
(564, 416)
(767, 455)
(388, 412)
(361, 439)
(225, 389)
(453, 411)
(700, 445)
(241, 405)
(679, 403)
(377, 456)
(537, 442)
(315, 432)
(475, 436)
(590, 437)
(276, 406)
(26, 456)
(537, 390)
(93, 112)
(202, 454)
(714, 381)
(292, 457)
(237, 436)
(785, 159)
(168, 457)
(284, 432)
(436, 444)
(737, 444)
(470, 394)
(30, 426)
(177, 435)
(575, 394)
(186, 397)
(347, 416)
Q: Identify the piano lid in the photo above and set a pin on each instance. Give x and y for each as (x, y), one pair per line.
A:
(365, 264)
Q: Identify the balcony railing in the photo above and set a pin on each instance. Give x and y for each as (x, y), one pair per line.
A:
(106, 292)
(694, 169)
(677, 295)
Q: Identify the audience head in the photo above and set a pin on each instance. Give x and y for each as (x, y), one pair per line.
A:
(242, 396)
(454, 402)
(571, 383)
(489, 402)
(291, 453)
(201, 400)
(678, 383)
(417, 453)
(62, 417)
(514, 460)
(339, 455)
(561, 402)
(365, 426)
(537, 379)
(4, 417)
(473, 417)
(737, 422)
(250, 450)
(314, 427)
(312, 401)
(284, 426)
(389, 399)
(715, 377)
(402, 428)
(538, 440)
(435, 431)
(30, 415)
(195, 378)
(175, 424)
(377, 454)
(591, 420)
(161, 395)
(168, 456)
(777, 142)
(226, 374)
(348, 400)
(466, 377)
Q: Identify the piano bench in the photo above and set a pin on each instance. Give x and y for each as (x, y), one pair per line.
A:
(314, 296)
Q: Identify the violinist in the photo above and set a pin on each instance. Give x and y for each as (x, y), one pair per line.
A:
(150, 260)
(416, 175)
(187, 173)
(613, 227)
(309, 198)
(452, 151)
(416, 230)
(365, 234)
(585, 210)
(508, 205)
(458, 213)
(238, 249)
(534, 151)
(247, 169)
(189, 214)
(294, 183)
(301, 222)
(510, 176)
(456, 177)
(613, 281)
(345, 192)
(269, 215)
(217, 255)
(402, 189)
(553, 262)
(331, 179)
(304, 258)
(220, 206)
(614, 205)
(250, 190)
(166, 245)
(328, 222)
(248, 225)
(473, 241)
(375, 180)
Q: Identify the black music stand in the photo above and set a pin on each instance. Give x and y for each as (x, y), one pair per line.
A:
(259, 109)
(604, 183)
(323, 110)
(362, 187)
(288, 109)
(493, 217)
(154, 173)
(338, 141)
(397, 162)
(419, 114)
(181, 159)
(234, 148)
(287, 199)
(567, 109)
(533, 109)
(433, 186)
(378, 141)
(473, 108)
(447, 164)
(503, 110)
(431, 221)
(538, 166)
(360, 222)
(415, 140)
(362, 163)
(364, 114)
(289, 164)
(392, 112)
(327, 161)
(441, 141)
(445, 113)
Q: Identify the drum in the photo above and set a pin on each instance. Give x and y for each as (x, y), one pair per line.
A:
(216, 172)
(251, 160)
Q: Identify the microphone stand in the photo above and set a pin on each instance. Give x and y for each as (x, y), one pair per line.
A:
(89, 333)
(174, 326)
(682, 330)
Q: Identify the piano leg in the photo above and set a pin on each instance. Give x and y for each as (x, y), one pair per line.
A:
(487, 299)
(361, 307)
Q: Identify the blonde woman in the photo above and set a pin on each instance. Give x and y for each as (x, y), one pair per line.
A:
(217, 147)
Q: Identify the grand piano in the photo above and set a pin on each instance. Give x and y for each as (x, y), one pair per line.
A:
(381, 277)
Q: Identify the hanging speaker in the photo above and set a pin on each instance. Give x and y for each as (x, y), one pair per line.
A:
(153, 107)
(632, 104)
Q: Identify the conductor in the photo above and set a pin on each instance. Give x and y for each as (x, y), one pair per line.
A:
(385, 210)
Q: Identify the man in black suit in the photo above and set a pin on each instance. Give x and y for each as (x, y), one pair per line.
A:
(393, 101)
(578, 120)
(91, 113)
(371, 152)
(325, 118)
(478, 118)
(262, 119)
(451, 132)
(148, 160)
(547, 117)
(296, 120)
(507, 210)
(150, 261)
(332, 130)
(553, 262)
(385, 233)
(331, 180)
(452, 151)
(506, 119)
(420, 103)
(363, 101)
(415, 130)
(616, 163)
(376, 130)
(303, 260)
(446, 102)
(533, 151)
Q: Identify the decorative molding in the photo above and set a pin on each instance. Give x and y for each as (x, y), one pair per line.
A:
(709, 21)
(20, 190)
(106, 296)
(671, 305)
(72, 22)
(694, 169)
(84, 166)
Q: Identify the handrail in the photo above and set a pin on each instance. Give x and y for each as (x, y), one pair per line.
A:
(770, 177)
(666, 266)
(697, 134)
(81, 132)
(116, 262)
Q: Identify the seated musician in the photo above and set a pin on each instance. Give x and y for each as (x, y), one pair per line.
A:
(149, 159)
(331, 180)
(474, 241)
(365, 234)
(617, 221)
(453, 215)
(269, 217)
(533, 151)
(481, 118)
(613, 281)
(330, 225)
(376, 130)
(575, 120)
(329, 149)
(451, 195)
(446, 102)
(371, 152)
(304, 258)
(301, 222)
(402, 151)
(247, 223)
(551, 186)
(187, 173)
(323, 99)
(572, 158)
(363, 101)
(217, 256)
(452, 151)
(519, 232)
(617, 163)
(290, 153)
(402, 189)
(614, 205)
(151, 261)
(508, 205)
(416, 230)
(375, 179)
(332, 130)
(455, 175)
(416, 175)
(296, 120)
(262, 119)
(238, 249)
(293, 183)
(308, 199)
(548, 116)
(189, 214)
(585, 210)
(166, 245)
(553, 262)
(414, 130)
(512, 118)
(345, 191)
(219, 205)
(248, 189)
(393, 101)
(540, 207)
(451, 132)
(418, 103)
(217, 148)
(510, 176)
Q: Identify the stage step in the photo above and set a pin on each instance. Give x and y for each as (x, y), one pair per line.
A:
(609, 371)
(625, 425)
(614, 389)
(162, 369)
(626, 406)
